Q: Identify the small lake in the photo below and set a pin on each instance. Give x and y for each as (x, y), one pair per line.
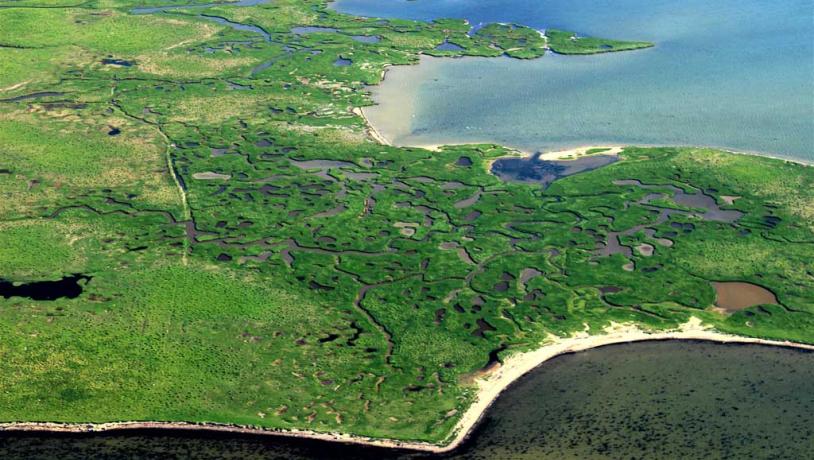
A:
(534, 170)
(737, 74)
(736, 295)
(668, 399)
(69, 287)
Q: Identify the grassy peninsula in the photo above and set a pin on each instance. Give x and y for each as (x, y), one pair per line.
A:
(249, 255)
(564, 42)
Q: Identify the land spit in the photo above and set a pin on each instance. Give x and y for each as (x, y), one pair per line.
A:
(488, 387)
(372, 132)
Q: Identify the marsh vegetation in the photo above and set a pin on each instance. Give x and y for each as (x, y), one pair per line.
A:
(257, 259)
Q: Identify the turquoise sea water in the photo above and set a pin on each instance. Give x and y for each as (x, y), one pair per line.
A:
(737, 74)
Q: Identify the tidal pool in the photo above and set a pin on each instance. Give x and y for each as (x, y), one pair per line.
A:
(535, 170)
(736, 295)
(668, 399)
(736, 74)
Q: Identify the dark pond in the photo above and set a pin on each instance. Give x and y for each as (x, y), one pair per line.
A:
(68, 287)
(464, 161)
(533, 169)
(304, 30)
(447, 46)
(117, 62)
(366, 38)
(669, 399)
(342, 62)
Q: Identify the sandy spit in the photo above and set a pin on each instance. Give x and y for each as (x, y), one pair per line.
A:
(372, 131)
(488, 388)
(573, 154)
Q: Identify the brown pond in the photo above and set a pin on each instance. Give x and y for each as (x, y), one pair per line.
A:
(737, 295)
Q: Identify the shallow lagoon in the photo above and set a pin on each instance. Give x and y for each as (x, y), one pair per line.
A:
(669, 399)
(728, 73)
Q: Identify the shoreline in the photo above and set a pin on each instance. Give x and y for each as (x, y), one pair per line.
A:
(576, 146)
(579, 150)
(491, 386)
(371, 130)
(552, 154)
(488, 388)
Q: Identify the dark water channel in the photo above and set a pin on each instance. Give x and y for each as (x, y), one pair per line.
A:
(217, 19)
(669, 399)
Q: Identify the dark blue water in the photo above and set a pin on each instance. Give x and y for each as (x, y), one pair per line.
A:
(737, 74)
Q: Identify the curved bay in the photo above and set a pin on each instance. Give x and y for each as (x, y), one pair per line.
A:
(732, 74)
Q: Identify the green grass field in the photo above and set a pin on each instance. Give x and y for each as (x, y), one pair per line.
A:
(324, 281)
